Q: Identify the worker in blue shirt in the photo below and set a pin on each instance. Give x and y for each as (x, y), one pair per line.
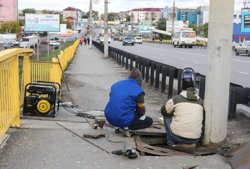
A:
(126, 108)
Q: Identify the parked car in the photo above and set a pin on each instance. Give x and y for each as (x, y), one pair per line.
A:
(7, 45)
(102, 39)
(15, 43)
(138, 40)
(243, 48)
(54, 44)
(128, 41)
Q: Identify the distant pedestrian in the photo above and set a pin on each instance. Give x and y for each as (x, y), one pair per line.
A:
(81, 40)
(88, 40)
(85, 41)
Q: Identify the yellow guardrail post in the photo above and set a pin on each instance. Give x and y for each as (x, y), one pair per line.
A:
(55, 72)
(15, 99)
(9, 88)
(26, 69)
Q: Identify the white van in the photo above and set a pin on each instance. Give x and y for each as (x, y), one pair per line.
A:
(184, 38)
(29, 42)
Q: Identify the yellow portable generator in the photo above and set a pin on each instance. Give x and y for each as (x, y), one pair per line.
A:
(42, 98)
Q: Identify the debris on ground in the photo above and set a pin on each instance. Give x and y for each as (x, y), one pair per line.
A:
(241, 157)
(94, 135)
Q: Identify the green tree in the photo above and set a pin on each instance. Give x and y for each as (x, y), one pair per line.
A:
(10, 27)
(21, 22)
(95, 14)
(45, 11)
(29, 10)
(201, 30)
(112, 16)
(161, 24)
(205, 30)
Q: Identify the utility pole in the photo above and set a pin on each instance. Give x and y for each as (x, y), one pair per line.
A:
(90, 25)
(173, 19)
(106, 47)
(219, 68)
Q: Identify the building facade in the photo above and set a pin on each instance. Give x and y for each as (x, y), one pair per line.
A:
(8, 10)
(238, 35)
(72, 14)
(190, 15)
(146, 16)
(203, 15)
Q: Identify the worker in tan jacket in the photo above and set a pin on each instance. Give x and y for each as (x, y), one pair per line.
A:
(183, 114)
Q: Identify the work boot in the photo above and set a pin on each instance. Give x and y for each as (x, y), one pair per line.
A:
(125, 131)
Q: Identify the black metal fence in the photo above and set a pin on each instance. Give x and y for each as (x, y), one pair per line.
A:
(163, 77)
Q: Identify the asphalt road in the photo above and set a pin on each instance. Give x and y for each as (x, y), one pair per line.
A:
(185, 57)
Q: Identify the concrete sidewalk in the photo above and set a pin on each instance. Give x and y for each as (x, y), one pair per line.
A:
(45, 143)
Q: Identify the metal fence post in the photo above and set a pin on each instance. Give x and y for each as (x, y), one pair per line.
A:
(202, 85)
(152, 73)
(132, 58)
(123, 59)
(157, 76)
(179, 81)
(127, 57)
(137, 62)
(232, 103)
(171, 81)
(163, 81)
(147, 69)
(143, 68)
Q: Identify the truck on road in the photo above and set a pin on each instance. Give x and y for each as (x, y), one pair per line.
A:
(184, 38)
(29, 41)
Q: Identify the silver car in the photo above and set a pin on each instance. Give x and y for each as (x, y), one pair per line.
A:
(243, 48)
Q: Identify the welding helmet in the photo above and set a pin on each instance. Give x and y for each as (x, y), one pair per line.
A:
(187, 78)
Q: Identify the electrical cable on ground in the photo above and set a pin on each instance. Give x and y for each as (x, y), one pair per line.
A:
(73, 112)
(106, 129)
(83, 138)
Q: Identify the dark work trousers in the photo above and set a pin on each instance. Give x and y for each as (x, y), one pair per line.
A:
(138, 123)
(172, 139)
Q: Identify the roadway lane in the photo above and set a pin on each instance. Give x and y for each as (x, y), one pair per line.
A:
(186, 57)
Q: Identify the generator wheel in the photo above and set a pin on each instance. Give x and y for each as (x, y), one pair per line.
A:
(43, 106)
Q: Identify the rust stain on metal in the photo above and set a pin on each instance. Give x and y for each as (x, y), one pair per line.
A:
(241, 158)
(145, 148)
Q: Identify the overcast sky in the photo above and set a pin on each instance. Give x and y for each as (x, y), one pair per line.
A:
(115, 5)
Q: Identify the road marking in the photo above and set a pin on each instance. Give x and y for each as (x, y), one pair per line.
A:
(197, 63)
(242, 61)
(182, 59)
(244, 73)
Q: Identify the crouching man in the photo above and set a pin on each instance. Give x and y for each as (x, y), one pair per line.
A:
(183, 114)
(126, 108)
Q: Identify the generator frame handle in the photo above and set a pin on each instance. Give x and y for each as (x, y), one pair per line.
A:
(46, 82)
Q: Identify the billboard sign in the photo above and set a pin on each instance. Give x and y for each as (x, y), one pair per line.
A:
(245, 22)
(178, 25)
(8, 10)
(42, 23)
(144, 28)
(81, 25)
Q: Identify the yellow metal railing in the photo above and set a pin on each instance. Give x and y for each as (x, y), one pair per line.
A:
(10, 87)
(17, 70)
(52, 71)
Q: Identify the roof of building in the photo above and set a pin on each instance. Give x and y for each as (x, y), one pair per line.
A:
(148, 9)
(71, 9)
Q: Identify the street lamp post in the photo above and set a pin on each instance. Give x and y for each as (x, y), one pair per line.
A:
(173, 19)
(91, 22)
(90, 25)
(106, 47)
